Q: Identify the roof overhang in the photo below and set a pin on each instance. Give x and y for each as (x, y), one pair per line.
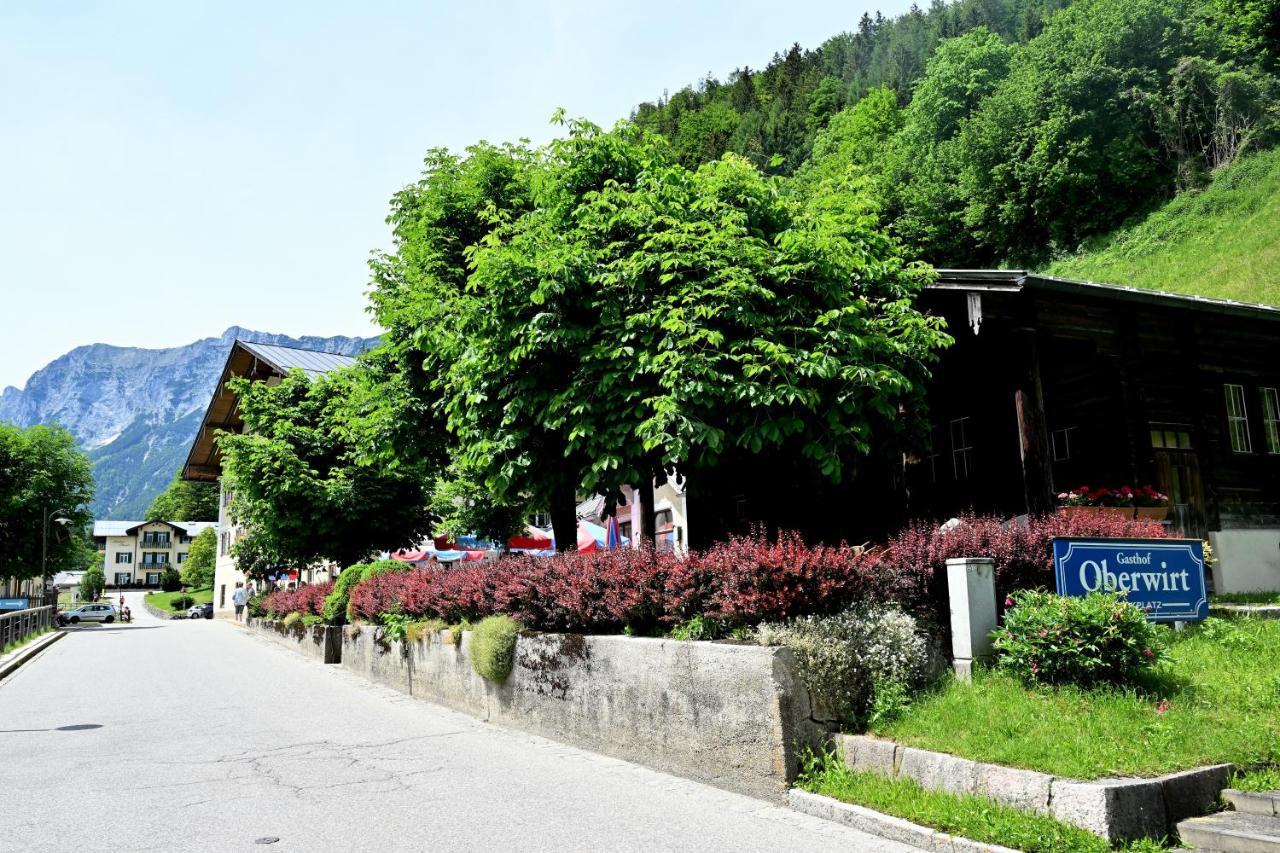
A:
(1016, 281)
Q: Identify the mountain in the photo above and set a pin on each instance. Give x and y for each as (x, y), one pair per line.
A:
(135, 411)
(1222, 241)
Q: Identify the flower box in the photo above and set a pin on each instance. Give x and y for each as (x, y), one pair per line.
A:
(1098, 511)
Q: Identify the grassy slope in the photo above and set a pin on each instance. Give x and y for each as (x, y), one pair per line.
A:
(1223, 694)
(1223, 241)
(164, 600)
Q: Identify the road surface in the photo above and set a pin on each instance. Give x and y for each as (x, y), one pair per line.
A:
(172, 736)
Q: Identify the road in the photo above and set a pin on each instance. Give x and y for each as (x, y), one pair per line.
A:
(204, 737)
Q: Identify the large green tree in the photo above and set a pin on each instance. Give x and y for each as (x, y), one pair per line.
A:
(307, 475)
(43, 477)
(197, 569)
(185, 500)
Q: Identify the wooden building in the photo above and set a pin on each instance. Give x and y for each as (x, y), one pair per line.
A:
(1054, 384)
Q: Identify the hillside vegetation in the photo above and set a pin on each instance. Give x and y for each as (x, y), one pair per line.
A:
(1223, 241)
(1003, 131)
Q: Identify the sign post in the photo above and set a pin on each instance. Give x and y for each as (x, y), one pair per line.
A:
(1165, 577)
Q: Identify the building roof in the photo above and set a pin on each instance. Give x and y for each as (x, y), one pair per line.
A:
(254, 361)
(126, 528)
(1016, 281)
(312, 362)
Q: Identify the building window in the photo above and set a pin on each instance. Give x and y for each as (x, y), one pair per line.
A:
(1061, 441)
(155, 559)
(182, 556)
(155, 540)
(961, 449)
(1237, 419)
(1271, 418)
(1170, 437)
(123, 557)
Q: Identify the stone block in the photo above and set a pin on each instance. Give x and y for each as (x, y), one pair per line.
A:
(1116, 809)
(1193, 793)
(937, 771)
(871, 755)
(1010, 786)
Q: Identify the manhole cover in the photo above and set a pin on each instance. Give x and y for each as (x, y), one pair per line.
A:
(80, 727)
(266, 839)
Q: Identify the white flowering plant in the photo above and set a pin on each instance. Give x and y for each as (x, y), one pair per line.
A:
(847, 659)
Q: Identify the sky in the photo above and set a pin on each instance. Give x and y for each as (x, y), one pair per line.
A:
(171, 169)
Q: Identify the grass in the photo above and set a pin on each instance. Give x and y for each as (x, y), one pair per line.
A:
(12, 647)
(164, 600)
(1223, 704)
(1266, 779)
(1246, 598)
(975, 818)
(1223, 241)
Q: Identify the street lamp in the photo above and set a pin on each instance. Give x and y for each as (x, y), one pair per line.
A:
(44, 545)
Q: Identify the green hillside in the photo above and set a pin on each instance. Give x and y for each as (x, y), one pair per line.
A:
(1223, 241)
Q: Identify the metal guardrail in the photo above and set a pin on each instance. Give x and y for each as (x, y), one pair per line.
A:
(20, 624)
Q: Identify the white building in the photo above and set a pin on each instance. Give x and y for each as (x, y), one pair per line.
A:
(136, 553)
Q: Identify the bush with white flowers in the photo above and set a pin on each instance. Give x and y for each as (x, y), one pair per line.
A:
(845, 659)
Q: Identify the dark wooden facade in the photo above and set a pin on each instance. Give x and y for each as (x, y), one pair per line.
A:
(1055, 384)
(1051, 385)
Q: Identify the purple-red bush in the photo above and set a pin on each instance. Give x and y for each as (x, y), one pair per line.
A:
(743, 581)
(753, 579)
(307, 600)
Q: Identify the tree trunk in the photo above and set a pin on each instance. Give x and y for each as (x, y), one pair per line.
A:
(564, 517)
(644, 495)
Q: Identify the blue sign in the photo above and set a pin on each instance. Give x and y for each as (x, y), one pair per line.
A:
(1165, 577)
(13, 604)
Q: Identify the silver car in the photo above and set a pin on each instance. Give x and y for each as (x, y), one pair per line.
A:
(89, 613)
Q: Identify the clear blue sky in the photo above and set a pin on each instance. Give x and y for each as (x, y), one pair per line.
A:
(168, 169)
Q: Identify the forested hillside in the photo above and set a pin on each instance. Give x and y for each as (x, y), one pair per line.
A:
(1004, 131)
(1223, 241)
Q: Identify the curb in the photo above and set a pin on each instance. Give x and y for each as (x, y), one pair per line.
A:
(26, 654)
(1258, 611)
(885, 826)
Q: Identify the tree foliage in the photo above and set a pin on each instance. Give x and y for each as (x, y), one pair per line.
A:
(197, 570)
(42, 474)
(308, 476)
(185, 500)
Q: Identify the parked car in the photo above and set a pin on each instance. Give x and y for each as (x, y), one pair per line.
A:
(88, 613)
(195, 611)
(206, 610)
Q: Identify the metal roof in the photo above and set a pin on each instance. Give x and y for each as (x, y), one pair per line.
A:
(1017, 280)
(123, 528)
(313, 362)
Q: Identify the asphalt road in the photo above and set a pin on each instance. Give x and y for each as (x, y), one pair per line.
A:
(196, 735)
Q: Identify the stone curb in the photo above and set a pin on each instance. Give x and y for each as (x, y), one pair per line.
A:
(1257, 611)
(885, 826)
(28, 652)
(1116, 809)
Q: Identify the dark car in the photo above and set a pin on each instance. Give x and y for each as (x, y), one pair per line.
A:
(206, 610)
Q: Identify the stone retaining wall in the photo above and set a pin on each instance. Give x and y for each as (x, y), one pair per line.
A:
(156, 611)
(318, 642)
(1116, 809)
(727, 714)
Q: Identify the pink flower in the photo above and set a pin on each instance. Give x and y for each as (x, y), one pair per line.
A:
(1008, 601)
(1162, 706)
(1035, 667)
(1147, 653)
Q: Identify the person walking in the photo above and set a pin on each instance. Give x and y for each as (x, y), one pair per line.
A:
(240, 598)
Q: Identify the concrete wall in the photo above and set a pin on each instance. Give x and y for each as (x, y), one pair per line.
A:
(726, 714)
(1247, 560)
(322, 643)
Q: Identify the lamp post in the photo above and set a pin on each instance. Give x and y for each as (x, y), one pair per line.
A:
(44, 545)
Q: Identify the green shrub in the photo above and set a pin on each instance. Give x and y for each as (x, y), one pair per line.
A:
(847, 659)
(1054, 639)
(292, 619)
(255, 607)
(493, 647)
(336, 603)
(170, 580)
(700, 628)
(182, 602)
(311, 619)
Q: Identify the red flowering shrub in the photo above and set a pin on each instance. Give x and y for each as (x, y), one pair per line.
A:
(1023, 553)
(378, 594)
(748, 580)
(307, 600)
